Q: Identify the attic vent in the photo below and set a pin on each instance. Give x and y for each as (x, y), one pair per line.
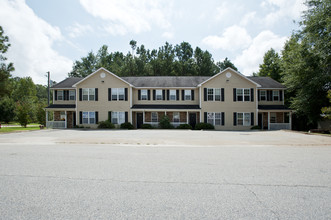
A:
(102, 75)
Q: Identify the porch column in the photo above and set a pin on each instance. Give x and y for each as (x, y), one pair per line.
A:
(46, 116)
(65, 119)
(290, 119)
(186, 117)
(144, 117)
(268, 120)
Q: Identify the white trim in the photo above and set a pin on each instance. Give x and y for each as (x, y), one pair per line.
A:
(165, 87)
(70, 88)
(97, 71)
(200, 97)
(258, 85)
(263, 88)
(65, 119)
(268, 120)
(131, 98)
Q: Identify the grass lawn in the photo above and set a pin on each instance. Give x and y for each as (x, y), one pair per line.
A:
(13, 129)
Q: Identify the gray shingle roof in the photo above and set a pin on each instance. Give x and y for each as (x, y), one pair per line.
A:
(266, 82)
(166, 81)
(67, 83)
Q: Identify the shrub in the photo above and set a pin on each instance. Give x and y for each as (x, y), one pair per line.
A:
(106, 124)
(127, 125)
(184, 126)
(165, 123)
(256, 127)
(204, 126)
(146, 126)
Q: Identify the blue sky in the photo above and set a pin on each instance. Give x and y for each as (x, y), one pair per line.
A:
(50, 35)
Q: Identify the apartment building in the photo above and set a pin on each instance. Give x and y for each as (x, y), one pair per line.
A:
(228, 100)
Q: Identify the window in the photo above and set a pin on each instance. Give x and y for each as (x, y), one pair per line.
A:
(275, 94)
(187, 95)
(176, 117)
(117, 117)
(244, 119)
(72, 95)
(121, 94)
(239, 94)
(92, 117)
(114, 94)
(214, 118)
(172, 95)
(217, 94)
(263, 95)
(88, 118)
(273, 117)
(88, 94)
(143, 94)
(158, 94)
(85, 117)
(154, 117)
(60, 95)
(246, 95)
(210, 93)
(62, 116)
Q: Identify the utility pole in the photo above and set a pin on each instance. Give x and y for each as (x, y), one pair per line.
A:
(48, 75)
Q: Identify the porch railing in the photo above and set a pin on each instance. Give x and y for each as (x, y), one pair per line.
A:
(55, 124)
(280, 126)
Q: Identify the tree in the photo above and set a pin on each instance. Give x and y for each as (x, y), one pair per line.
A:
(271, 66)
(204, 63)
(225, 64)
(40, 113)
(24, 89)
(5, 68)
(7, 108)
(327, 110)
(24, 112)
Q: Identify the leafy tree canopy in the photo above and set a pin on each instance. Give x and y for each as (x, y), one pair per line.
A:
(5, 68)
(271, 66)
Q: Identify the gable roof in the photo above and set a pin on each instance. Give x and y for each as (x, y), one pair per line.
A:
(229, 68)
(166, 81)
(267, 82)
(67, 83)
(107, 71)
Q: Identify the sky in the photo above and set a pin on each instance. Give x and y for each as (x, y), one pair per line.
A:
(48, 35)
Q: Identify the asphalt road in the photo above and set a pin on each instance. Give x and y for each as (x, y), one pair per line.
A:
(72, 174)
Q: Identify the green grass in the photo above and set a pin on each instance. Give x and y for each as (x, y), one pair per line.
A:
(13, 129)
(16, 123)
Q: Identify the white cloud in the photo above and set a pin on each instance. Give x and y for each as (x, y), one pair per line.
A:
(232, 39)
(129, 16)
(222, 11)
(78, 30)
(248, 17)
(32, 39)
(168, 35)
(283, 9)
(248, 61)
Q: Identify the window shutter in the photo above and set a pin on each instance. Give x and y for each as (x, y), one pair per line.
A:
(109, 94)
(235, 118)
(109, 116)
(205, 117)
(163, 94)
(222, 91)
(192, 95)
(252, 95)
(154, 94)
(64, 95)
(183, 94)
(80, 94)
(252, 118)
(80, 117)
(67, 94)
(258, 95)
(149, 94)
(126, 94)
(96, 94)
(56, 95)
(168, 94)
(223, 119)
(234, 94)
(269, 95)
(139, 94)
(280, 95)
(177, 94)
(96, 117)
(126, 117)
(205, 94)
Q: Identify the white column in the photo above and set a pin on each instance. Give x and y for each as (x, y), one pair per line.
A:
(65, 119)
(268, 120)
(186, 117)
(144, 117)
(290, 120)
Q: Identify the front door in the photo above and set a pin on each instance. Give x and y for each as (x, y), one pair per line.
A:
(193, 119)
(260, 120)
(140, 119)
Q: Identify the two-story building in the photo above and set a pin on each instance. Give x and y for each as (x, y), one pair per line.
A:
(228, 100)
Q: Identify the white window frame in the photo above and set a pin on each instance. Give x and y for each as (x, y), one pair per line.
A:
(143, 94)
(91, 117)
(159, 94)
(245, 118)
(60, 93)
(72, 95)
(210, 94)
(172, 95)
(214, 94)
(62, 116)
(247, 94)
(264, 96)
(176, 117)
(214, 118)
(217, 94)
(88, 93)
(240, 95)
(121, 94)
(275, 93)
(154, 117)
(187, 95)
(87, 118)
(117, 118)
